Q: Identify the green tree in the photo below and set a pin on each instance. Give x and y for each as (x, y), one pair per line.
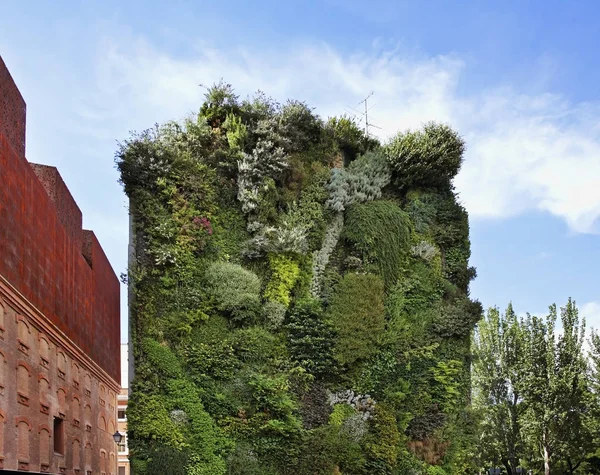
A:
(554, 388)
(497, 374)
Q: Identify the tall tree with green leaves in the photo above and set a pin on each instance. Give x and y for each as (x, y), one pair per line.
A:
(554, 387)
(592, 464)
(497, 372)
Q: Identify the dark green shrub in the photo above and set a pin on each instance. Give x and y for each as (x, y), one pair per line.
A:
(383, 442)
(327, 451)
(163, 459)
(257, 347)
(145, 432)
(417, 289)
(457, 317)
(299, 126)
(309, 337)
(220, 101)
(315, 408)
(214, 360)
(208, 444)
(242, 461)
(349, 138)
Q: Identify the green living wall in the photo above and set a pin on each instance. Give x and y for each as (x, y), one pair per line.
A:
(300, 295)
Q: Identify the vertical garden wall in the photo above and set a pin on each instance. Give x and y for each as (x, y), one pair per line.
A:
(300, 295)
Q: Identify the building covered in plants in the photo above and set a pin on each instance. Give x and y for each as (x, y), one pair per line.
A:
(299, 295)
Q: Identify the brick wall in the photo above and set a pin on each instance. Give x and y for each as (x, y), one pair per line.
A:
(45, 379)
(44, 253)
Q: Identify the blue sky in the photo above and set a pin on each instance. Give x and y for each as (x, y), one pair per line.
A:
(519, 79)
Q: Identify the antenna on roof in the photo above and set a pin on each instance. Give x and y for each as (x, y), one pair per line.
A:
(364, 114)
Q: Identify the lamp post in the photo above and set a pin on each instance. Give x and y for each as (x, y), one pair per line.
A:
(117, 437)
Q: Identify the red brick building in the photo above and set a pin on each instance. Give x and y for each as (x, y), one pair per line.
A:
(59, 318)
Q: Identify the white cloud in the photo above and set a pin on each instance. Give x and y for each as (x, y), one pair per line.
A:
(591, 312)
(524, 152)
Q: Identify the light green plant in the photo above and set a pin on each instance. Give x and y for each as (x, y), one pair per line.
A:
(284, 274)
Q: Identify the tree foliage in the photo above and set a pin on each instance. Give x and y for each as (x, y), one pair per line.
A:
(533, 391)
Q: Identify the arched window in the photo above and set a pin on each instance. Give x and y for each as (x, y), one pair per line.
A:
(23, 383)
(87, 416)
(111, 401)
(44, 447)
(88, 457)
(87, 384)
(75, 374)
(102, 395)
(112, 463)
(44, 351)
(23, 333)
(2, 372)
(76, 451)
(76, 407)
(44, 393)
(103, 462)
(101, 422)
(22, 441)
(61, 397)
(61, 365)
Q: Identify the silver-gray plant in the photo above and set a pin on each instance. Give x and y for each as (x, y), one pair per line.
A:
(266, 160)
(425, 250)
(355, 427)
(280, 239)
(321, 257)
(364, 404)
(362, 181)
(178, 417)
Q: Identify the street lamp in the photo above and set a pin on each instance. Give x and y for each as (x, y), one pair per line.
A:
(117, 436)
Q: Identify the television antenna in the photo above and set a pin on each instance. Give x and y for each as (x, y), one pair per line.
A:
(364, 115)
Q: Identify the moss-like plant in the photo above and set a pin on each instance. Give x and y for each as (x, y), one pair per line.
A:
(381, 231)
(357, 313)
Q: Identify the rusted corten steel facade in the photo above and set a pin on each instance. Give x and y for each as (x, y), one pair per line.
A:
(59, 318)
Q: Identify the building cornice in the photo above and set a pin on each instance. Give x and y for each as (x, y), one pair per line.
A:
(25, 307)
